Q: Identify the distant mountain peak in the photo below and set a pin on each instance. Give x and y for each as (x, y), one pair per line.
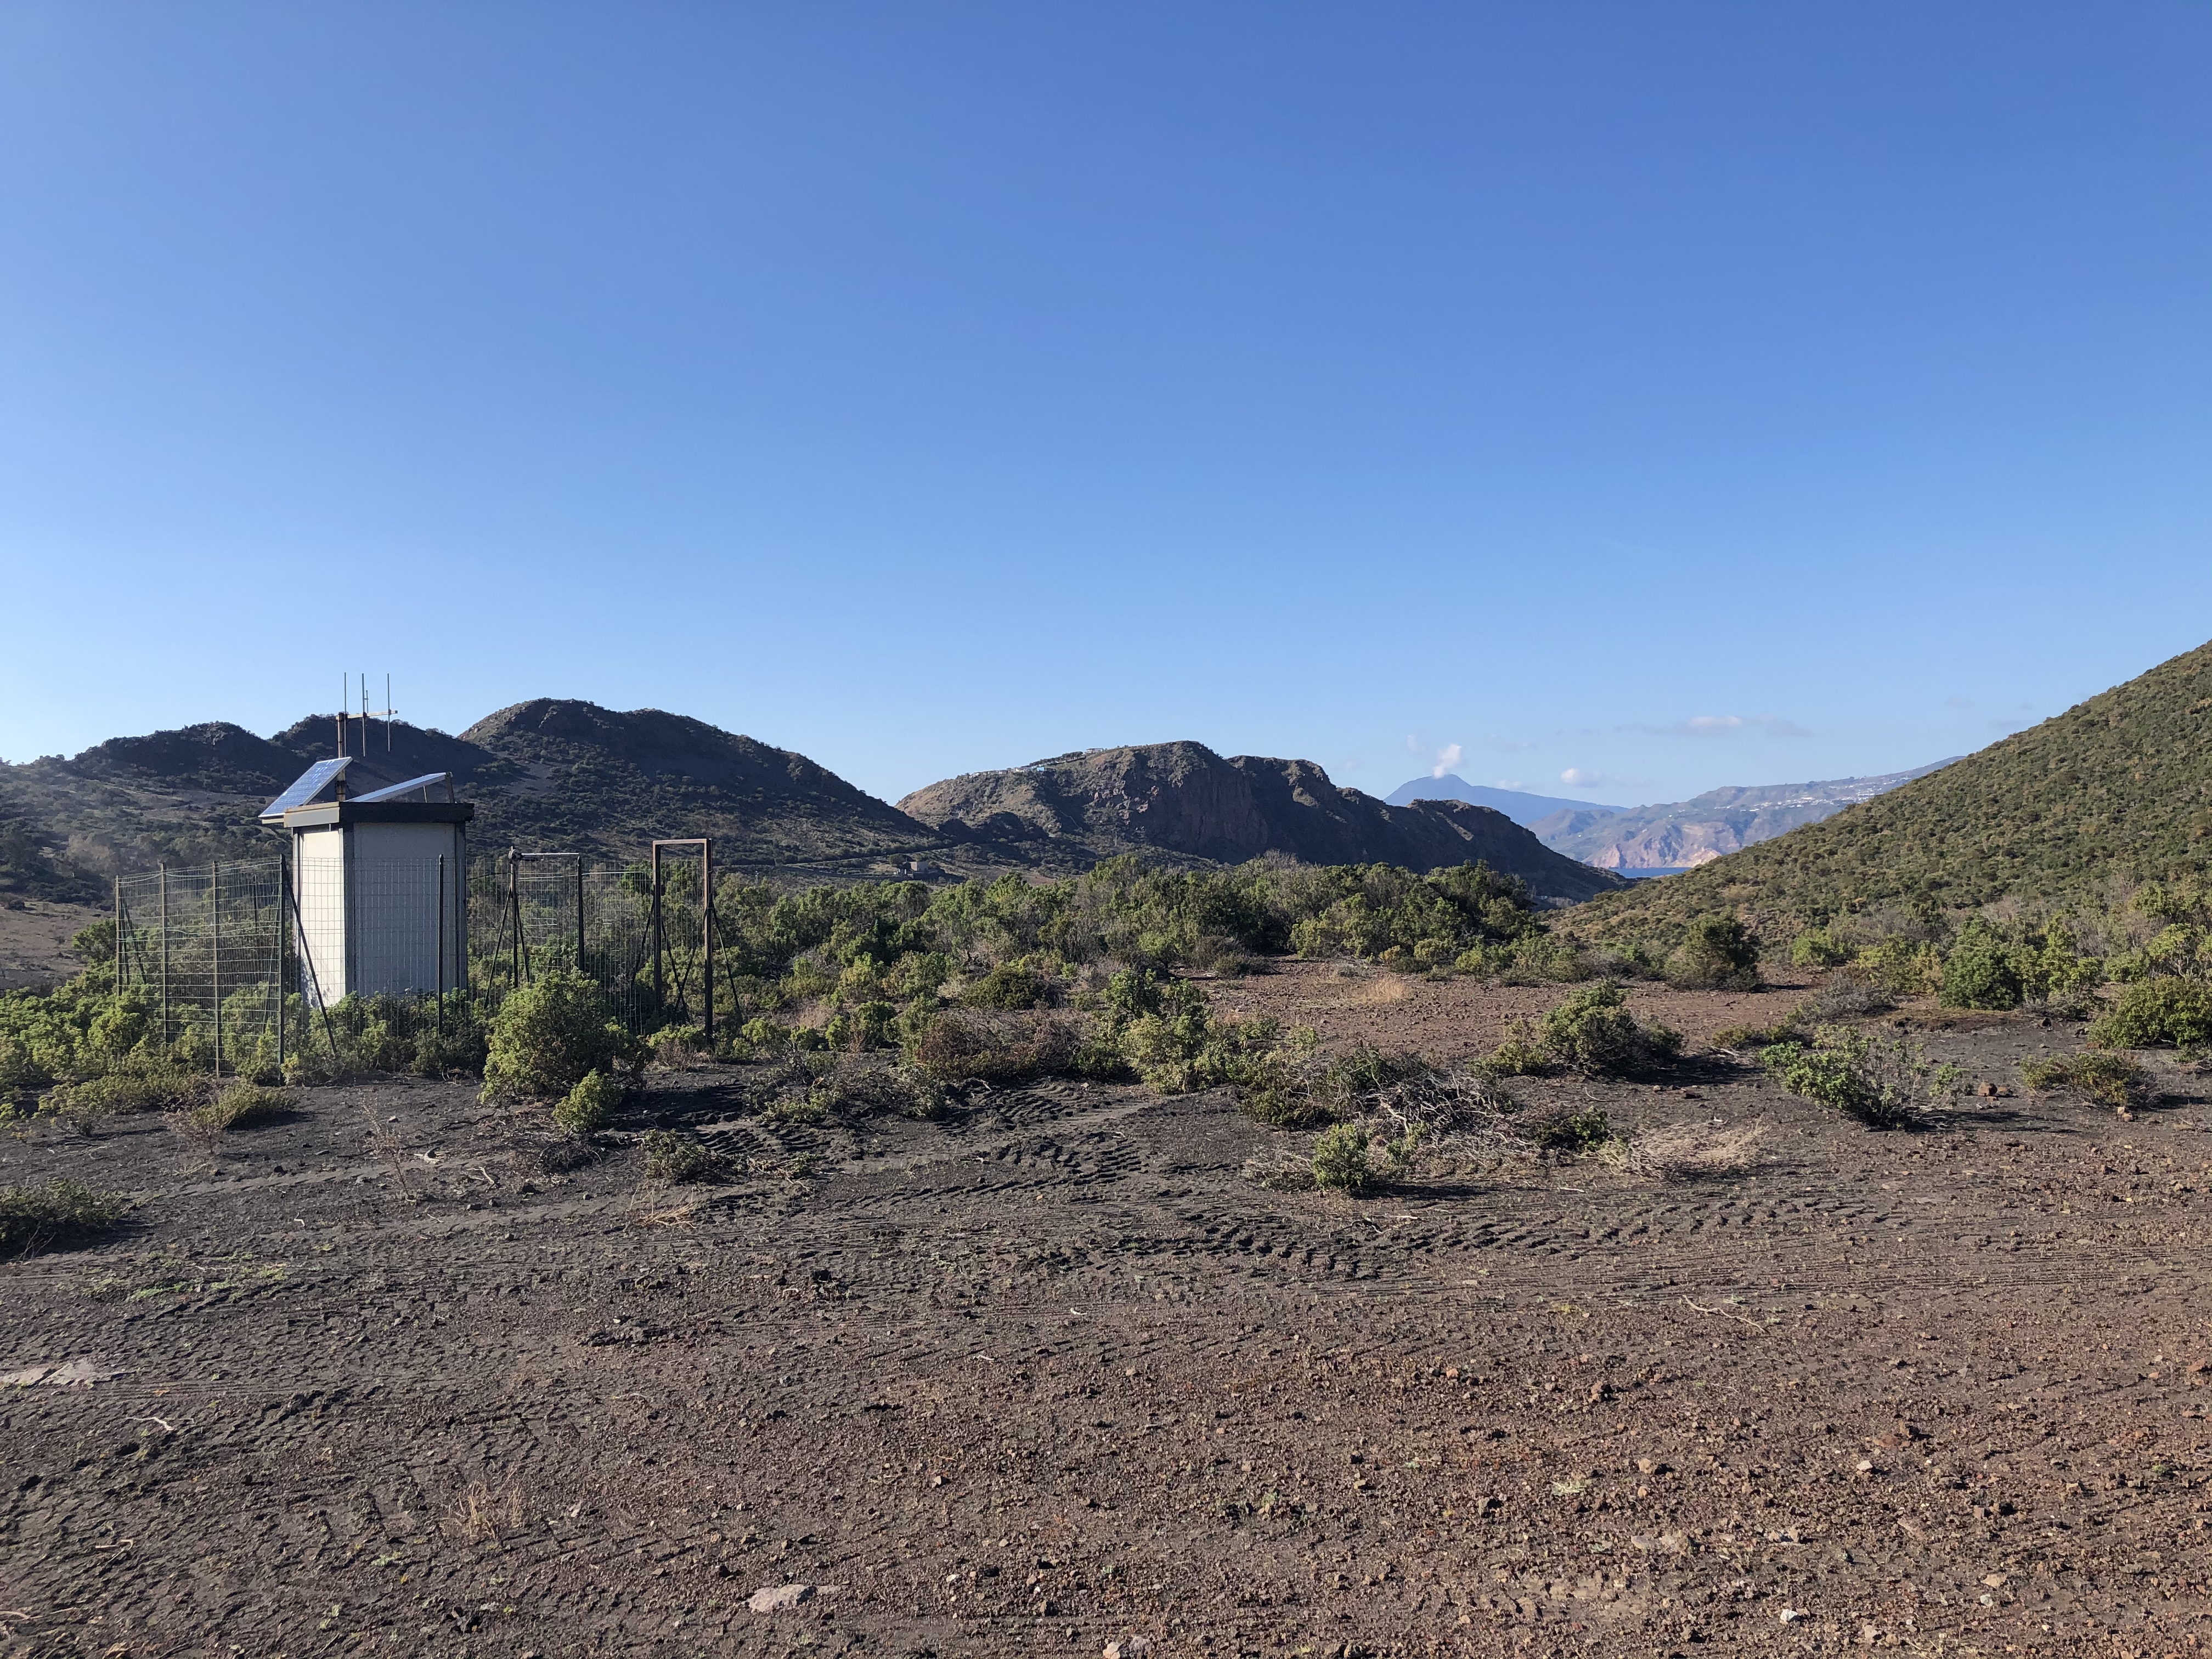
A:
(1683, 834)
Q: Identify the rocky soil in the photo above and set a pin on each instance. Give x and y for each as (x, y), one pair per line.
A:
(1051, 1373)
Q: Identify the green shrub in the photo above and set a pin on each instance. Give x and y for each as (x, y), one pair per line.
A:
(550, 1035)
(1816, 947)
(1518, 1056)
(1888, 1084)
(1340, 1160)
(678, 1045)
(83, 1106)
(855, 1089)
(764, 1036)
(1717, 953)
(448, 1047)
(1009, 986)
(20, 1071)
(2156, 1013)
(590, 1106)
(55, 1213)
(1843, 996)
(1359, 1076)
(1276, 1094)
(1278, 1084)
(1757, 1037)
(1572, 1132)
(863, 1025)
(1981, 970)
(1539, 959)
(680, 1158)
(1902, 967)
(242, 1105)
(1591, 1032)
(2112, 1079)
(954, 1048)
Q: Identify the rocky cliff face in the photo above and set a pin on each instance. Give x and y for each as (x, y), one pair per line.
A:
(1183, 799)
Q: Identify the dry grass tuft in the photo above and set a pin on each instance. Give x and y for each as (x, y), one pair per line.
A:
(1688, 1152)
(483, 1514)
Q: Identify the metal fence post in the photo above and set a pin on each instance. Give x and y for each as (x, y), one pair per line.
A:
(657, 996)
(215, 914)
(707, 929)
(514, 908)
(118, 935)
(579, 914)
(442, 940)
(168, 1032)
(282, 882)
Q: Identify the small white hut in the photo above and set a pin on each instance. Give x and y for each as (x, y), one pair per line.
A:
(379, 881)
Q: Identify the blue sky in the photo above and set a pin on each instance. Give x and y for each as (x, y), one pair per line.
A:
(1638, 398)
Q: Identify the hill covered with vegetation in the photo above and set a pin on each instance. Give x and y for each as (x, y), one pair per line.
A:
(2117, 788)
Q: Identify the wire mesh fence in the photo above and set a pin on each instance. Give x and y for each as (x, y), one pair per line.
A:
(210, 952)
(237, 961)
(642, 940)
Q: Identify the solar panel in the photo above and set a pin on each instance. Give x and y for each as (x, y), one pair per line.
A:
(308, 785)
(407, 788)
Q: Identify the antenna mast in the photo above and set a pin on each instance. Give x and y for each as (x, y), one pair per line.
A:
(385, 713)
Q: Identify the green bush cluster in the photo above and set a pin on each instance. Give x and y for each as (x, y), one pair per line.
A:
(242, 1105)
(1717, 953)
(1341, 1162)
(2112, 1079)
(2156, 1013)
(1885, 1084)
(1591, 1032)
(681, 1159)
(55, 1213)
(880, 960)
(590, 1105)
(81, 1029)
(356, 1034)
(1572, 1132)
(137, 1086)
(547, 1036)
(958, 1045)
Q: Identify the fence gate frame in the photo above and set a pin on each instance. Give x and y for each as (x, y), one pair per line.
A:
(706, 846)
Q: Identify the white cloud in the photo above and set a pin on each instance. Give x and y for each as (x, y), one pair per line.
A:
(1412, 742)
(1447, 757)
(1581, 779)
(1508, 783)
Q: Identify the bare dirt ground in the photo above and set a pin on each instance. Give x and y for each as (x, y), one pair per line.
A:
(34, 941)
(1051, 1373)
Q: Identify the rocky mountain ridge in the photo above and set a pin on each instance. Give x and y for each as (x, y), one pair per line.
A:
(556, 774)
(1183, 799)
